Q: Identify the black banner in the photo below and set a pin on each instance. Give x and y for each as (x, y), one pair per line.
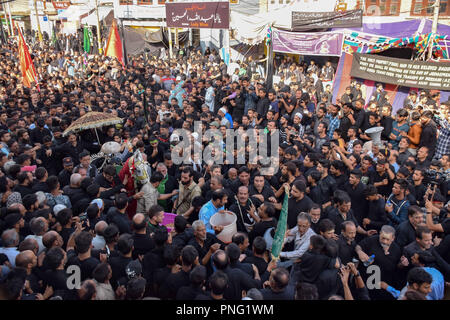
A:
(317, 20)
(407, 73)
(209, 15)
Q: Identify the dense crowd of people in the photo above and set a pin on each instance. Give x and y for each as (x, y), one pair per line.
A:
(367, 219)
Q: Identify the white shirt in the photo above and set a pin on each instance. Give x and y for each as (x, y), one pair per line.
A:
(39, 241)
(98, 242)
(301, 243)
(11, 253)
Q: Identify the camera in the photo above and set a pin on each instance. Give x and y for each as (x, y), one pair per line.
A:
(83, 217)
(434, 177)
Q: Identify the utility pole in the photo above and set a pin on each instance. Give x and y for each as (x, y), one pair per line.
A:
(99, 36)
(6, 20)
(124, 48)
(2, 31)
(176, 38)
(170, 42)
(37, 20)
(10, 18)
(434, 28)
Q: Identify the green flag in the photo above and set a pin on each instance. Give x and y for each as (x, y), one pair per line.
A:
(87, 40)
(278, 239)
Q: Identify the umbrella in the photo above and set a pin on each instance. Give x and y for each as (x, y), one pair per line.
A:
(92, 120)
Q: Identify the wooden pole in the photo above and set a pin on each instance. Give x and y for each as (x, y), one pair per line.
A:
(37, 20)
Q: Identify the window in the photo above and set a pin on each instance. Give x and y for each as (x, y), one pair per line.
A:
(145, 2)
(395, 6)
(381, 7)
(125, 2)
(161, 1)
(425, 8)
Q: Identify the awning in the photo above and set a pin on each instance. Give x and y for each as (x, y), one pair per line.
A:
(74, 13)
(252, 29)
(91, 19)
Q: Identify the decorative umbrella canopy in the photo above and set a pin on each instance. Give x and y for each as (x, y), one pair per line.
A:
(92, 120)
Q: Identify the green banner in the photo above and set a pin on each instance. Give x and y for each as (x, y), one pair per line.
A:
(87, 40)
(278, 239)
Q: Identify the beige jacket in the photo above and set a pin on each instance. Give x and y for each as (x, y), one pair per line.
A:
(185, 197)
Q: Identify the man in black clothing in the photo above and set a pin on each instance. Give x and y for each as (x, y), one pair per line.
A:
(120, 262)
(64, 218)
(259, 249)
(406, 231)
(428, 136)
(155, 151)
(171, 257)
(219, 283)
(346, 242)
(28, 261)
(197, 278)
(376, 216)
(85, 162)
(423, 154)
(315, 213)
(327, 184)
(261, 190)
(244, 179)
(386, 121)
(109, 180)
(419, 188)
(154, 259)
(182, 234)
(298, 202)
(40, 184)
(25, 180)
(55, 275)
(74, 190)
(263, 104)
(50, 161)
(73, 148)
(205, 243)
(278, 286)
(387, 257)
(245, 210)
(238, 280)
(423, 242)
(142, 241)
(118, 216)
(79, 253)
(64, 174)
(382, 178)
(234, 253)
(189, 258)
(337, 170)
(39, 132)
(342, 212)
(355, 189)
(266, 214)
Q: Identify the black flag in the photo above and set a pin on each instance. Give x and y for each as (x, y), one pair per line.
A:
(269, 76)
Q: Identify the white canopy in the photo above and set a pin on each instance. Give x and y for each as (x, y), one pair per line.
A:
(73, 13)
(92, 18)
(252, 29)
